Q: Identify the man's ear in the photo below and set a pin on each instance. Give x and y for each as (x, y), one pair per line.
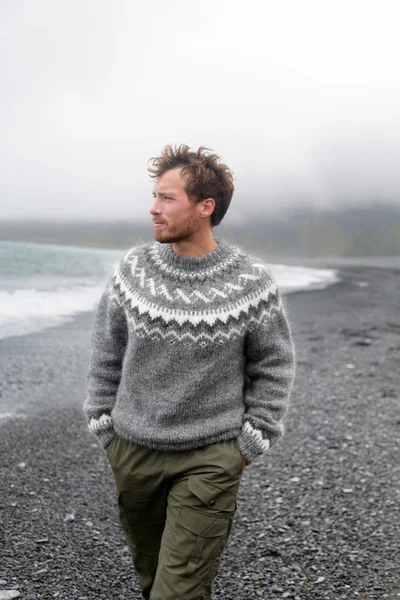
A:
(207, 207)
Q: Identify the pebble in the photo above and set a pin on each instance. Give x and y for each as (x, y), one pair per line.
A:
(365, 342)
(39, 573)
(69, 518)
(9, 594)
(3, 582)
(297, 568)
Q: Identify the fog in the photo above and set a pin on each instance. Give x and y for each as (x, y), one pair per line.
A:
(300, 99)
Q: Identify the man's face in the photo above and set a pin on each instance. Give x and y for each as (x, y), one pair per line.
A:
(178, 217)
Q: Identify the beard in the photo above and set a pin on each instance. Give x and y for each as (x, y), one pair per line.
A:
(178, 232)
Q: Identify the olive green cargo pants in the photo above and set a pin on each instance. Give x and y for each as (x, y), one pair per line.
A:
(176, 510)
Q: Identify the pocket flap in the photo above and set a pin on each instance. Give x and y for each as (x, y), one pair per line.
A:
(201, 523)
(212, 495)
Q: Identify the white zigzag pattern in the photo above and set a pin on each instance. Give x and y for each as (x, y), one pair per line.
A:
(103, 421)
(142, 330)
(201, 296)
(182, 316)
(256, 435)
(207, 298)
(164, 290)
(183, 296)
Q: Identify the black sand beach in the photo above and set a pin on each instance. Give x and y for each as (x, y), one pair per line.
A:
(318, 516)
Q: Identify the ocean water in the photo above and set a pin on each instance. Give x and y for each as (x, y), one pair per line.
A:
(44, 285)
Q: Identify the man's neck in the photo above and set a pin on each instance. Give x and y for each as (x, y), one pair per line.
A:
(193, 248)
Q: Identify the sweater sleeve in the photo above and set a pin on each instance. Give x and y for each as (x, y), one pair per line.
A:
(270, 369)
(108, 345)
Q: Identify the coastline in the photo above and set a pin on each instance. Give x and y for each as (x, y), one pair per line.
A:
(316, 516)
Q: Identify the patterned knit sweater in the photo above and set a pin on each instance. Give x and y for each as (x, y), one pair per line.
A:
(188, 351)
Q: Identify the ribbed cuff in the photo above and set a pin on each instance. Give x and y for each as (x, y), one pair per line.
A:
(103, 428)
(251, 443)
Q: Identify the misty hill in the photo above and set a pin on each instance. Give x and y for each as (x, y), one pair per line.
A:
(350, 232)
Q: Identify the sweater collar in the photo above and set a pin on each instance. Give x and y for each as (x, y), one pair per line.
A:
(194, 263)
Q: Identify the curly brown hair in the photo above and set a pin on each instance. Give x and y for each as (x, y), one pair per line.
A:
(207, 176)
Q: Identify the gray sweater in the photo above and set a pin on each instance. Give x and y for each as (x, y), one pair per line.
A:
(189, 351)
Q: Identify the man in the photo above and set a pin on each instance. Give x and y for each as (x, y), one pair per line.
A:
(191, 371)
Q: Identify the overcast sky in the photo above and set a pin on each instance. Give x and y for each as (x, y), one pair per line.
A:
(300, 98)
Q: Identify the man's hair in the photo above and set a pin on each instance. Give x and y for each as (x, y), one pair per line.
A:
(207, 176)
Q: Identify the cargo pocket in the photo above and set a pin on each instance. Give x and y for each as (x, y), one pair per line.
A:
(218, 499)
(200, 533)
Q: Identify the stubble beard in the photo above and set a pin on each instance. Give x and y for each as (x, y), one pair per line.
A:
(177, 233)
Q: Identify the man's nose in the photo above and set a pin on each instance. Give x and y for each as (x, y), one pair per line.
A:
(155, 209)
